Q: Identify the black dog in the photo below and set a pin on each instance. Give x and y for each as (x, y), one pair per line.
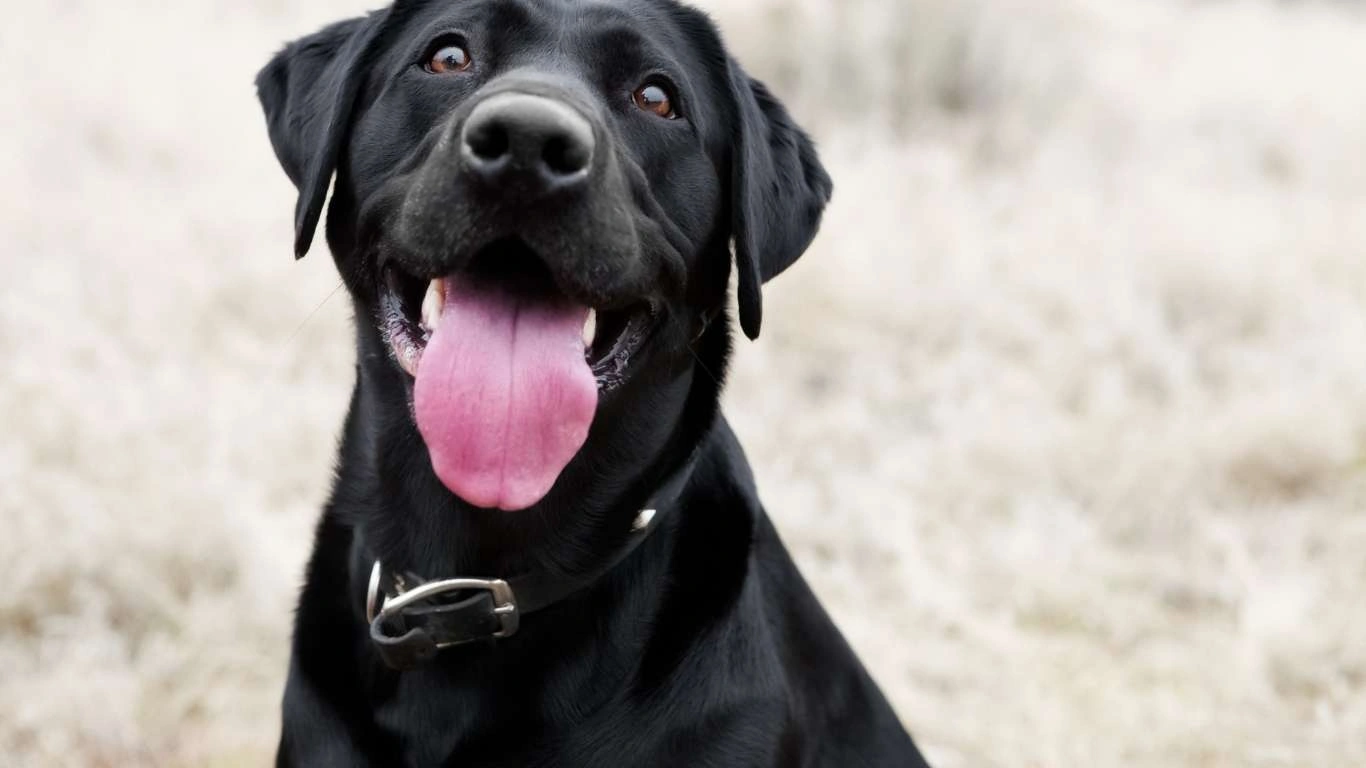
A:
(534, 207)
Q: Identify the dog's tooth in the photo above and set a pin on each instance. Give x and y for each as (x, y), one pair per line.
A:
(590, 329)
(407, 359)
(433, 303)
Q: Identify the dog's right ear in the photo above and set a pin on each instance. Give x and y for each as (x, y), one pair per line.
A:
(308, 91)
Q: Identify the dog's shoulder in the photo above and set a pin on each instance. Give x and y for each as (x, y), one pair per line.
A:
(824, 687)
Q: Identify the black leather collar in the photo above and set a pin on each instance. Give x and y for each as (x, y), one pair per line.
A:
(412, 619)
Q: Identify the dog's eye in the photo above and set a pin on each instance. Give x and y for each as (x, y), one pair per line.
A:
(654, 97)
(448, 58)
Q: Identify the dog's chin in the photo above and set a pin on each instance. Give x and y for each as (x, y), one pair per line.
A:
(505, 371)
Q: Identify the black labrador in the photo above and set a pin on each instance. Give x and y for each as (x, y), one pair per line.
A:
(543, 545)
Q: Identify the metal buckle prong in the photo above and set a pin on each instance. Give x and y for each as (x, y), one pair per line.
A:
(373, 601)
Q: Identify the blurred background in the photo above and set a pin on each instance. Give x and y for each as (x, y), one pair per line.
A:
(1064, 414)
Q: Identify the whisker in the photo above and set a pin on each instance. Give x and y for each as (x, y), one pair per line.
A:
(295, 335)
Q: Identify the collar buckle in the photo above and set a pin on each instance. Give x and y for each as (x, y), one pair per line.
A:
(504, 601)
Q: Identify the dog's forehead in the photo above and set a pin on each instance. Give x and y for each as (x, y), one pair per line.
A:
(645, 18)
(661, 33)
(596, 38)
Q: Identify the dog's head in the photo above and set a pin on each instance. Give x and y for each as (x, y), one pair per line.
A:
(535, 202)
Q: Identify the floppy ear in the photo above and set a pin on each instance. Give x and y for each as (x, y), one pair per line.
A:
(779, 190)
(307, 92)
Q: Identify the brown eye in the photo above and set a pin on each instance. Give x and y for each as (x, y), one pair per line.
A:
(652, 97)
(449, 58)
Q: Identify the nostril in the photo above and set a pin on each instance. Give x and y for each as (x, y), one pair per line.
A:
(529, 144)
(566, 156)
(488, 139)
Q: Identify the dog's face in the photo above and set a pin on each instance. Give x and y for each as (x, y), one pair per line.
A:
(535, 202)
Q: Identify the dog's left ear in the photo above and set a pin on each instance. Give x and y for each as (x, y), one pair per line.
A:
(308, 91)
(779, 191)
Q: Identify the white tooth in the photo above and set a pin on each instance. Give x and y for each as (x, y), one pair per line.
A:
(433, 303)
(407, 359)
(590, 329)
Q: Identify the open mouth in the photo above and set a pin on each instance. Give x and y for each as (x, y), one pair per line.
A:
(411, 309)
(507, 370)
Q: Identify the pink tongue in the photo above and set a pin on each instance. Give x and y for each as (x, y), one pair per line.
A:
(504, 397)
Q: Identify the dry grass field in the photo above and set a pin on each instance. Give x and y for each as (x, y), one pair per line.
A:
(1064, 415)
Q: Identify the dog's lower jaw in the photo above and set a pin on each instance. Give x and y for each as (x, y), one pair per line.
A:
(415, 523)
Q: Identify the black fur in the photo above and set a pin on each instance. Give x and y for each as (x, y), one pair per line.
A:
(705, 647)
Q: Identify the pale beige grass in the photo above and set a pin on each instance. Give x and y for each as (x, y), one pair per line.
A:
(1064, 415)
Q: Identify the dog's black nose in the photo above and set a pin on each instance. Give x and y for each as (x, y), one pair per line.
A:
(538, 144)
